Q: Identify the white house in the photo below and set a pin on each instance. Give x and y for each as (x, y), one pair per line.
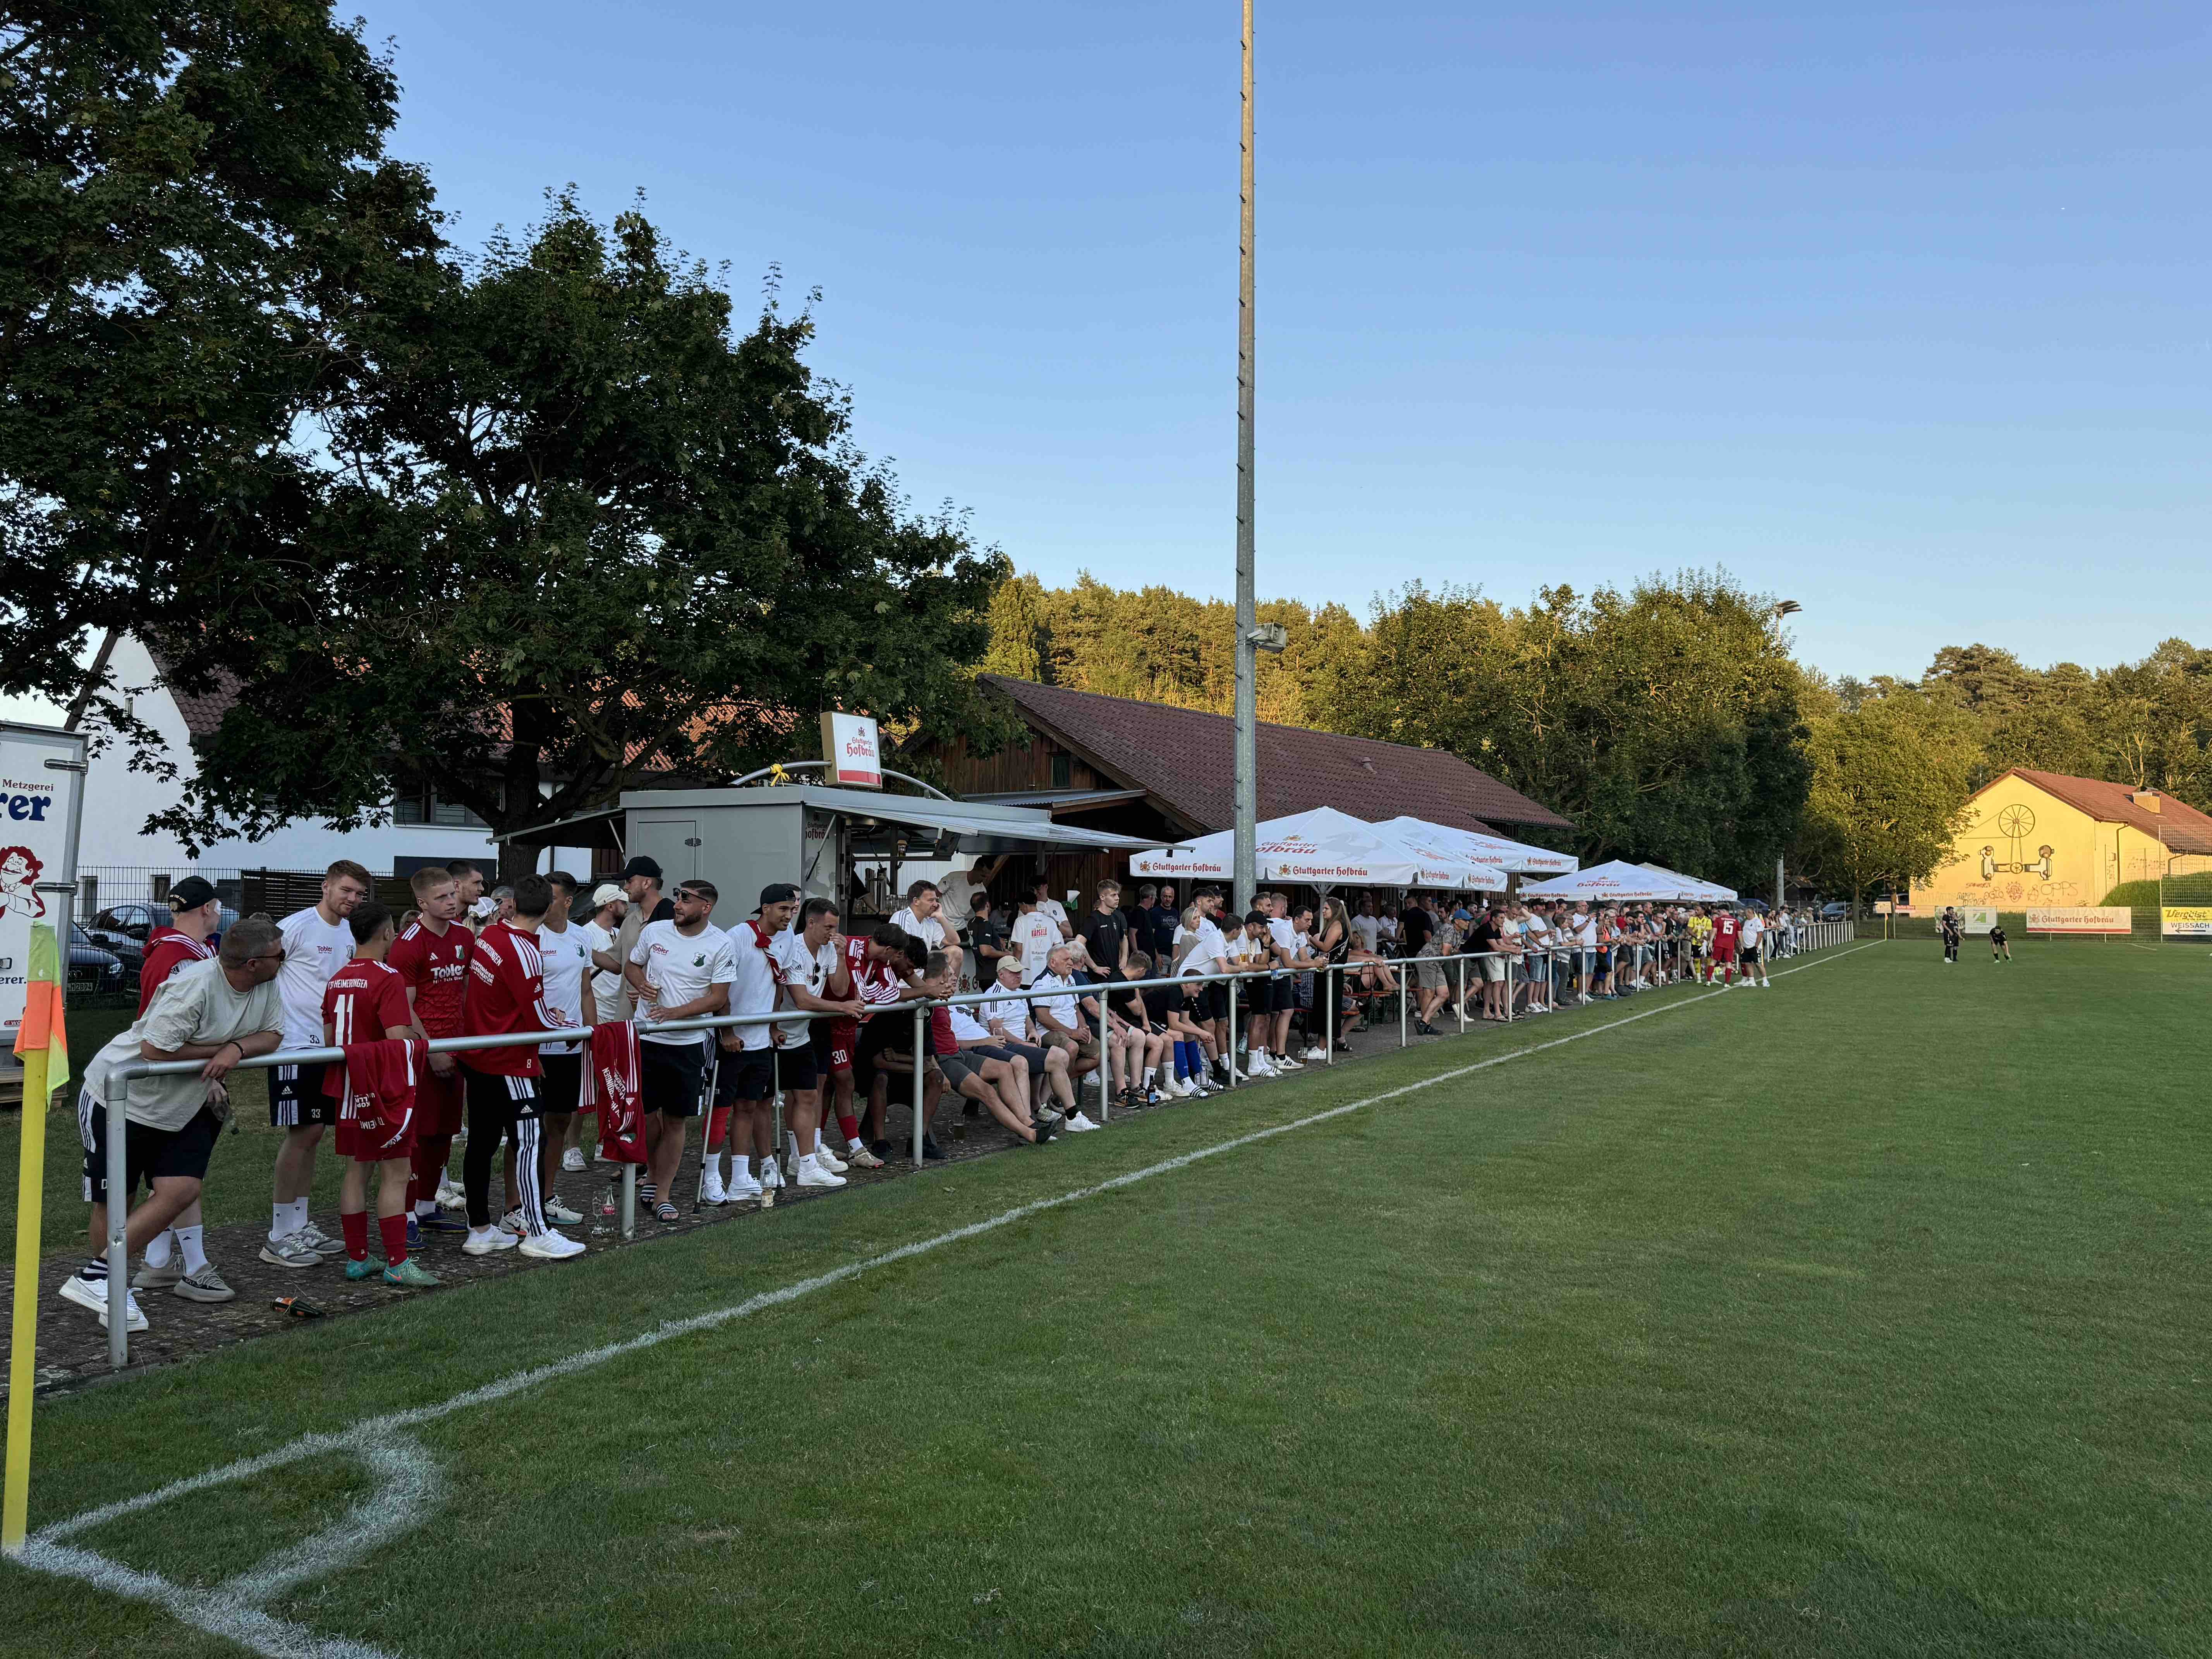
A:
(115, 852)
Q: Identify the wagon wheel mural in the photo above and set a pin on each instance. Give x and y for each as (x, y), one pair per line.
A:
(2016, 822)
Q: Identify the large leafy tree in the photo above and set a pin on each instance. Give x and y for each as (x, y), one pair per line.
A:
(188, 190)
(577, 531)
(1890, 783)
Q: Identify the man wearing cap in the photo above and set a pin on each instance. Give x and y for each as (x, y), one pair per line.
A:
(640, 886)
(600, 929)
(194, 913)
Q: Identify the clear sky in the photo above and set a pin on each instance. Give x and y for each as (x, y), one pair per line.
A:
(1899, 311)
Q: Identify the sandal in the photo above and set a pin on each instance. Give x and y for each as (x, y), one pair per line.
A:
(664, 1212)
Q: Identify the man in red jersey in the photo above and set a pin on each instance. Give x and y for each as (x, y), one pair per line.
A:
(507, 998)
(194, 913)
(366, 1001)
(432, 957)
(1724, 930)
(863, 964)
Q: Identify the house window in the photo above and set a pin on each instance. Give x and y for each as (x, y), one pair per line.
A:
(423, 807)
(1063, 771)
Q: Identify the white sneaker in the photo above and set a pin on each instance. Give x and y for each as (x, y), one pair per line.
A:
(1258, 1066)
(88, 1294)
(828, 1159)
(512, 1222)
(741, 1189)
(812, 1174)
(483, 1240)
(711, 1191)
(560, 1214)
(1077, 1124)
(331, 1249)
(1316, 1053)
(549, 1246)
(450, 1197)
(862, 1156)
(1284, 1063)
(573, 1160)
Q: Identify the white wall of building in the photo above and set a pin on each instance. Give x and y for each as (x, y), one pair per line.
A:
(117, 802)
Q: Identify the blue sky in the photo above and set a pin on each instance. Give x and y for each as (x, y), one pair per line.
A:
(1901, 313)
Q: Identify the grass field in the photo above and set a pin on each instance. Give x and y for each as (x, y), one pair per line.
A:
(1863, 1316)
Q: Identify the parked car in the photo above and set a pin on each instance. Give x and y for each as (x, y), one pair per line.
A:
(123, 929)
(90, 967)
(1835, 910)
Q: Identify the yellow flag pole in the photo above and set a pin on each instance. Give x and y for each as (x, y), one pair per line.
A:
(42, 1026)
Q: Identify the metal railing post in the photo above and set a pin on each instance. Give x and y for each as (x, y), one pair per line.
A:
(118, 1223)
(1462, 994)
(1230, 1046)
(1405, 995)
(921, 1062)
(1328, 1018)
(1509, 987)
(629, 1201)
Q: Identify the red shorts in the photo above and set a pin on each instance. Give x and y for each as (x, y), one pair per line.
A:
(438, 1103)
(834, 1051)
(1723, 952)
(393, 1136)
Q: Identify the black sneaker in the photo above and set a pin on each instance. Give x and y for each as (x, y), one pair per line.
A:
(1425, 1029)
(930, 1152)
(880, 1148)
(1043, 1132)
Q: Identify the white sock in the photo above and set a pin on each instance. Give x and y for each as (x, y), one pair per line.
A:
(287, 1219)
(157, 1253)
(791, 1136)
(740, 1167)
(854, 1143)
(192, 1243)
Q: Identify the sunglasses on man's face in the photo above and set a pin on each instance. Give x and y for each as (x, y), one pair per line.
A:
(276, 954)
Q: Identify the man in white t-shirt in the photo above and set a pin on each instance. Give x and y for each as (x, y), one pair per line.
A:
(807, 956)
(1033, 938)
(1008, 1018)
(1280, 986)
(957, 890)
(745, 1067)
(679, 969)
(1583, 925)
(317, 944)
(1750, 936)
(922, 915)
(601, 931)
(1537, 933)
(565, 950)
(1052, 909)
(218, 1011)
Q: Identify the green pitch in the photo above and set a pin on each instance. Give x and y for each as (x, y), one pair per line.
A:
(1865, 1315)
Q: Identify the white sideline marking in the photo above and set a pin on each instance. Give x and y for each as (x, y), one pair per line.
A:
(409, 1483)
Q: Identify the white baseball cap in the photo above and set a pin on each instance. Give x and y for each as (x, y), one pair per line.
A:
(606, 893)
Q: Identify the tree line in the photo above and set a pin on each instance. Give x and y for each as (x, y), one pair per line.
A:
(1670, 721)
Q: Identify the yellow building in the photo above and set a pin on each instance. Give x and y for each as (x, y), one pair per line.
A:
(2035, 840)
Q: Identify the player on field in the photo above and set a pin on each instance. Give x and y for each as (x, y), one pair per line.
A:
(317, 944)
(681, 968)
(195, 913)
(1750, 940)
(1952, 930)
(2000, 947)
(366, 1001)
(808, 960)
(507, 998)
(432, 956)
(1723, 949)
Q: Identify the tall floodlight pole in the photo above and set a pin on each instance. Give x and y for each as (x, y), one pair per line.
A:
(1248, 738)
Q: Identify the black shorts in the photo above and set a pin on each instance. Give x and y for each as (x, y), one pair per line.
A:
(795, 1068)
(671, 1076)
(496, 1100)
(889, 1031)
(296, 1098)
(1749, 954)
(563, 1086)
(1216, 997)
(148, 1152)
(742, 1074)
(958, 1068)
(1283, 994)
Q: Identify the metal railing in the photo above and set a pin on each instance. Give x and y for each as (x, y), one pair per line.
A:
(1328, 994)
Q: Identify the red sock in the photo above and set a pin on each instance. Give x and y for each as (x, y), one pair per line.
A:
(718, 1127)
(355, 1229)
(394, 1229)
(849, 1127)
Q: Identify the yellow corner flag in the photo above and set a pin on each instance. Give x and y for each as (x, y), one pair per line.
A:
(43, 1044)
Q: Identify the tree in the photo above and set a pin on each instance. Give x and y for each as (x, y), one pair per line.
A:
(576, 533)
(187, 187)
(1889, 788)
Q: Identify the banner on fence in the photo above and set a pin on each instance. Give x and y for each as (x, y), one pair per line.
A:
(2082, 919)
(41, 772)
(1977, 918)
(2186, 921)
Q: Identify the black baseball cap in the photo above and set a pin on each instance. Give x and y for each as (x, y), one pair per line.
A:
(777, 892)
(641, 866)
(191, 893)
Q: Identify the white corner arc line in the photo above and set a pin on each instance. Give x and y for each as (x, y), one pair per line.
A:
(223, 1611)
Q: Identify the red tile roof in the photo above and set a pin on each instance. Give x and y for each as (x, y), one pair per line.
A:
(1185, 757)
(2180, 826)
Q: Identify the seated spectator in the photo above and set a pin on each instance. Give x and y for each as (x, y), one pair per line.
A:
(1367, 926)
(956, 1046)
(1008, 1018)
(1057, 1017)
(920, 916)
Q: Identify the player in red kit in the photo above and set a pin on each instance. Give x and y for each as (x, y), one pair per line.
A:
(432, 957)
(1724, 930)
(366, 1001)
(507, 997)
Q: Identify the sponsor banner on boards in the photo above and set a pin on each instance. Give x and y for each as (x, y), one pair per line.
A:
(2082, 919)
(2186, 921)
